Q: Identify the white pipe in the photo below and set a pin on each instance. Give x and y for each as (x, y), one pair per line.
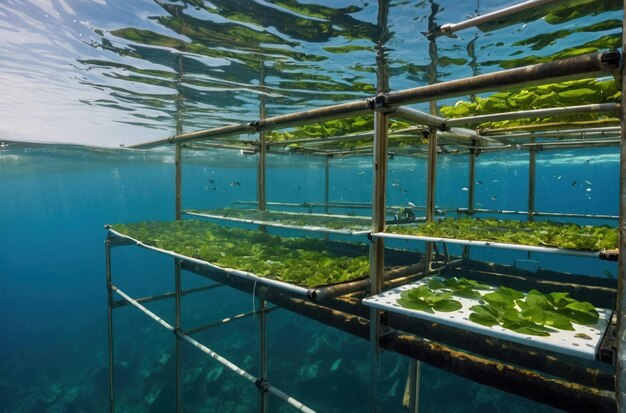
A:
(515, 247)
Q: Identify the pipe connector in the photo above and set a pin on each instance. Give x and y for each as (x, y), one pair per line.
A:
(263, 385)
(378, 103)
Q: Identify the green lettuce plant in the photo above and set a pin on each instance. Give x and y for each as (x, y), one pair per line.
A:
(351, 223)
(425, 299)
(301, 261)
(535, 233)
(571, 93)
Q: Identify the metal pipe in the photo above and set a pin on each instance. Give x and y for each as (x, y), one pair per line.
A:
(620, 359)
(377, 246)
(326, 184)
(414, 381)
(226, 320)
(569, 68)
(471, 184)
(107, 253)
(226, 363)
(431, 175)
(532, 181)
(449, 28)
(513, 247)
(177, 303)
(536, 113)
(179, 181)
(158, 297)
(263, 400)
(603, 131)
(262, 168)
(537, 214)
(418, 117)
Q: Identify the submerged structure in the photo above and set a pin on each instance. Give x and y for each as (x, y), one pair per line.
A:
(386, 272)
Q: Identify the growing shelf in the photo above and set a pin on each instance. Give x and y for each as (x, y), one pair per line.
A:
(295, 264)
(538, 236)
(312, 222)
(584, 341)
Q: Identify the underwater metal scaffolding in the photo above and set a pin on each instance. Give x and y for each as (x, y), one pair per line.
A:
(581, 386)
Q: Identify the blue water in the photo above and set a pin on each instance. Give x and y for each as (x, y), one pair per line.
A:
(53, 353)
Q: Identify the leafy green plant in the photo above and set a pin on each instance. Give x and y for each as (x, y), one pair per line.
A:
(570, 93)
(299, 261)
(460, 287)
(500, 309)
(352, 223)
(424, 298)
(535, 233)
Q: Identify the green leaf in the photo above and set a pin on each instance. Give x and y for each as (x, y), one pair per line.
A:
(447, 305)
(486, 321)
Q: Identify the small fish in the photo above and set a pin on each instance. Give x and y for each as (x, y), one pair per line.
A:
(588, 161)
(395, 184)
(479, 182)
(411, 170)
(464, 189)
(574, 183)
(558, 178)
(495, 181)
(211, 181)
(588, 189)
(588, 183)
(235, 183)
(299, 189)
(411, 204)
(361, 173)
(493, 197)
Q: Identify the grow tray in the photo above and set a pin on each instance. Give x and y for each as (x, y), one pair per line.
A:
(314, 222)
(298, 265)
(538, 236)
(583, 342)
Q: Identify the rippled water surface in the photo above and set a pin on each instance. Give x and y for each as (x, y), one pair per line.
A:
(108, 72)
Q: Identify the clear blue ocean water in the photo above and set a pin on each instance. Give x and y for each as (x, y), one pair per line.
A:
(53, 352)
(102, 73)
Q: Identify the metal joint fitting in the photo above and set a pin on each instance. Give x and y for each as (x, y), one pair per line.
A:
(377, 103)
(178, 333)
(444, 126)
(262, 384)
(611, 60)
(256, 125)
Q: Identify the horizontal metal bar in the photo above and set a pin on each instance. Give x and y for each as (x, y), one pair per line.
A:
(167, 295)
(449, 28)
(537, 113)
(603, 131)
(418, 117)
(569, 68)
(226, 320)
(501, 245)
(539, 214)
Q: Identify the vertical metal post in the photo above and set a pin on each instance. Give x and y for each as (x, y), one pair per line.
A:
(620, 359)
(471, 185)
(179, 180)
(532, 163)
(262, 167)
(414, 386)
(263, 399)
(377, 247)
(431, 176)
(326, 184)
(107, 254)
(178, 293)
(178, 161)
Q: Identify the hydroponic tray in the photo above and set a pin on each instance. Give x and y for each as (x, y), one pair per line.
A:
(518, 247)
(561, 341)
(350, 221)
(231, 271)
